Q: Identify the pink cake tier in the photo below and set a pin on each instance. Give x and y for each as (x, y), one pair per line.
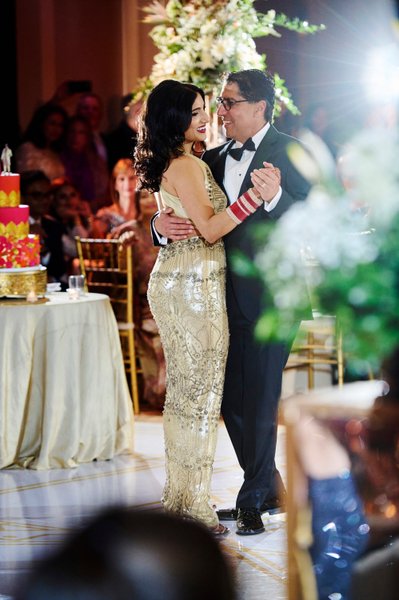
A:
(9, 189)
(14, 221)
(19, 252)
(20, 269)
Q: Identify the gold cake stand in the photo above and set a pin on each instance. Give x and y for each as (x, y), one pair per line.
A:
(19, 283)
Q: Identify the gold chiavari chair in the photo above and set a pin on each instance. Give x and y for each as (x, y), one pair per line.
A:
(318, 346)
(108, 269)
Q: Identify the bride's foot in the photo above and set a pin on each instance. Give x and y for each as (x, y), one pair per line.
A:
(219, 530)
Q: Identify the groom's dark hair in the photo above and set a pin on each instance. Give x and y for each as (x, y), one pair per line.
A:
(255, 85)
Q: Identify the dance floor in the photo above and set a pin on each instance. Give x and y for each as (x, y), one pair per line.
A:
(38, 508)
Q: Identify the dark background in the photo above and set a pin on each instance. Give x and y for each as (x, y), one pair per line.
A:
(8, 90)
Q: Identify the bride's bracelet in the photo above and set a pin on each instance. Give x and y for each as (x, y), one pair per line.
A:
(245, 206)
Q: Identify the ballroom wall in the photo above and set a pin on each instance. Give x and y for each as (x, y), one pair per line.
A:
(100, 40)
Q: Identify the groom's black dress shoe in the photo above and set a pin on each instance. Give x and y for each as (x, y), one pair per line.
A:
(249, 521)
(227, 514)
(273, 506)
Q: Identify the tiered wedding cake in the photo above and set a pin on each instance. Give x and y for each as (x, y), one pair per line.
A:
(20, 271)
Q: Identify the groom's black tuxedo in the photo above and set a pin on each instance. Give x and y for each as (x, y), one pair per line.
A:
(272, 149)
(254, 371)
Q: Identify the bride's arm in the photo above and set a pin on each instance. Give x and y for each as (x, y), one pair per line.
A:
(185, 179)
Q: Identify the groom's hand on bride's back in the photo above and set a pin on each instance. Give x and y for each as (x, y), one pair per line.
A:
(172, 227)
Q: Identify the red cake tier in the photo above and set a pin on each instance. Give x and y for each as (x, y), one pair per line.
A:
(19, 252)
(14, 221)
(9, 189)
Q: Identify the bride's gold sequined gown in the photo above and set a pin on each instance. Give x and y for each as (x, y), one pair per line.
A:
(187, 298)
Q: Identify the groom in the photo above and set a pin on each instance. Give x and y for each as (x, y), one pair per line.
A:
(254, 370)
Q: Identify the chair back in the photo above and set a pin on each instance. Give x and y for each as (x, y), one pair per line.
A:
(108, 269)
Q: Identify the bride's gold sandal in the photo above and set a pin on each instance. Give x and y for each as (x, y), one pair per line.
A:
(219, 530)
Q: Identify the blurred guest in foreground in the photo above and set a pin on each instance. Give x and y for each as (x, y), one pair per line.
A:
(351, 479)
(42, 142)
(339, 530)
(128, 555)
(133, 208)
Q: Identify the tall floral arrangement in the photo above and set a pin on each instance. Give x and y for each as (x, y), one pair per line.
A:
(339, 248)
(199, 40)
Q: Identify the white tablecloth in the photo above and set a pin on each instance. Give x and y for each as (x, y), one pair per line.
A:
(63, 392)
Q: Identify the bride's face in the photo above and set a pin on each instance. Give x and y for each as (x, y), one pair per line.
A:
(197, 130)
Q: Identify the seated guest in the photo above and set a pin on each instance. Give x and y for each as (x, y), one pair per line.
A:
(109, 222)
(121, 142)
(73, 214)
(90, 107)
(125, 200)
(36, 193)
(42, 142)
(83, 166)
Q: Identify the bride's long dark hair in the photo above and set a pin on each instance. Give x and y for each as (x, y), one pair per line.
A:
(166, 117)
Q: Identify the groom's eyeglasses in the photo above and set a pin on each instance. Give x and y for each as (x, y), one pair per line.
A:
(228, 103)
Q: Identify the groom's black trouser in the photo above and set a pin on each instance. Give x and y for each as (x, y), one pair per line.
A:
(250, 406)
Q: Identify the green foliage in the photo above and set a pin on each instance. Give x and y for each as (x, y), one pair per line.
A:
(341, 252)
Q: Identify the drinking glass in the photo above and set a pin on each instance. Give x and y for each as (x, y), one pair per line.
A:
(77, 283)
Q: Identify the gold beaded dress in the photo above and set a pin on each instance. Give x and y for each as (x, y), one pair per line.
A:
(187, 299)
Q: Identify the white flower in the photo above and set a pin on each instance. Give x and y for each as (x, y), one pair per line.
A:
(207, 60)
(312, 236)
(206, 43)
(250, 59)
(223, 48)
(209, 28)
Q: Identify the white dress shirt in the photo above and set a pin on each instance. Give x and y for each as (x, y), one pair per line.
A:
(235, 171)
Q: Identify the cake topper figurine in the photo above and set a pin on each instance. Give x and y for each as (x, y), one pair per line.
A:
(6, 159)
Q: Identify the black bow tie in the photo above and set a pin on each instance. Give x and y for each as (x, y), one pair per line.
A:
(237, 153)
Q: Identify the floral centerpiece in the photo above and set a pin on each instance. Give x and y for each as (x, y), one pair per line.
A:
(200, 40)
(341, 246)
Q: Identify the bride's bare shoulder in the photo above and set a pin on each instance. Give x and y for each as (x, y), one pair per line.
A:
(185, 165)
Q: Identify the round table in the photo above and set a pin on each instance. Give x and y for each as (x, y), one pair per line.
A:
(64, 397)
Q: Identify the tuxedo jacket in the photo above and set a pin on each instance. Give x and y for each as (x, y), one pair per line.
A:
(57, 266)
(249, 292)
